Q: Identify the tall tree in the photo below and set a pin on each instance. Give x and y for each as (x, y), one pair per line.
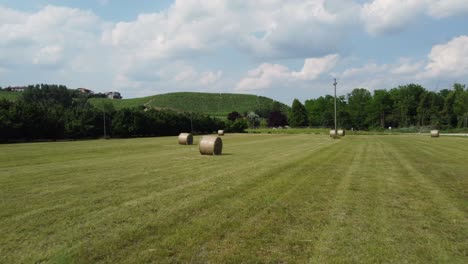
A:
(460, 104)
(253, 119)
(358, 103)
(276, 118)
(406, 100)
(298, 115)
(233, 116)
(380, 108)
(428, 111)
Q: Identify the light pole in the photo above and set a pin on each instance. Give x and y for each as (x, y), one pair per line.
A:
(336, 131)
(191, 122)
(104, 118)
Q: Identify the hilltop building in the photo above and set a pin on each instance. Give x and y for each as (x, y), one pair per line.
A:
(113, 95)
(84, 91)
(18, 88)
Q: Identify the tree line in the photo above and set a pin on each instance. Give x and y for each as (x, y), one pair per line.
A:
(55, 112)
(403, 106)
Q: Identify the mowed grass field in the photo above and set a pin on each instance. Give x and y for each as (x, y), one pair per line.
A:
(268, 199)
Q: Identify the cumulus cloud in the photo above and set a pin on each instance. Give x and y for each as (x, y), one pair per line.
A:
(168, 49)
(209, 78)
(165, 77)
(445, 63)
(314, 67)
(263, 28)
(263, 77)
(391, 16)
(449, 60)
(48, 36)
(381, 76)
(388, 16)
(266, 75)
(403, 67)
(49, 55)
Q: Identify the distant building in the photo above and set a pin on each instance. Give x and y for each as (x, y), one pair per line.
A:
(18, 89)
(85, 91)
(113, 95)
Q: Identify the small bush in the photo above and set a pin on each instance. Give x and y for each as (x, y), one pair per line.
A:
(238, 126)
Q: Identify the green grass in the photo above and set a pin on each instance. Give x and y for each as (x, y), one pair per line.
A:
(214, 104)
(12, 96)
(269, 199)
(326, 131)
(317, 131)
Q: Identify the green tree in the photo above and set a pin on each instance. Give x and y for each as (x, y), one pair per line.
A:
(460, 104)
(359, 101)
(233, 116)
(237, 126)
(298, 115)
(253, 119)
(380, 108)
(406, 100)
(321, 111)
(47, 95)
(429, 108)
(276, 119)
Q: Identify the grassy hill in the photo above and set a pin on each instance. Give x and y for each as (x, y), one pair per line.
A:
(214, 104)
(12, 96)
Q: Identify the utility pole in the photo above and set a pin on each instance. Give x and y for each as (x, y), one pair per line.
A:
(104, 118)
(191, 122)
(336, 131)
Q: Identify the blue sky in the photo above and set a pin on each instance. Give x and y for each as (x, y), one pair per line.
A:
(280, 49)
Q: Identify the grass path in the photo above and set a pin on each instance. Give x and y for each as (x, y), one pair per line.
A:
(269, 199)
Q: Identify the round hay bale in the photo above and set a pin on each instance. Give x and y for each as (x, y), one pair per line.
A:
(434, 133)
(220, 132)
(210, 145)
(185, 139)
(341, 133)
(332, 133)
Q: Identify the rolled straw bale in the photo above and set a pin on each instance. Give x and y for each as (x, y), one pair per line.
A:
(341, 133)
(434, 133)
(332, 133)
(185, 139)
(220, 132)
(210, 145)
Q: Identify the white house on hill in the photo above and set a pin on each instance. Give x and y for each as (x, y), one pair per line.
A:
(113, 95)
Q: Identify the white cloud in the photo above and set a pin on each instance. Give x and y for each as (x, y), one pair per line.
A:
(263, 28)
(390, 16)
(10, 16)
(48, 36)
(381, 76)
(49, 55)
(165, 76)
(263, 77)
(123, 82)
(446, 63)
(209, 78)
(449, 60)
(314, 67)
(267, 75)
(363, 71)
(166, 50)
(446, 8)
